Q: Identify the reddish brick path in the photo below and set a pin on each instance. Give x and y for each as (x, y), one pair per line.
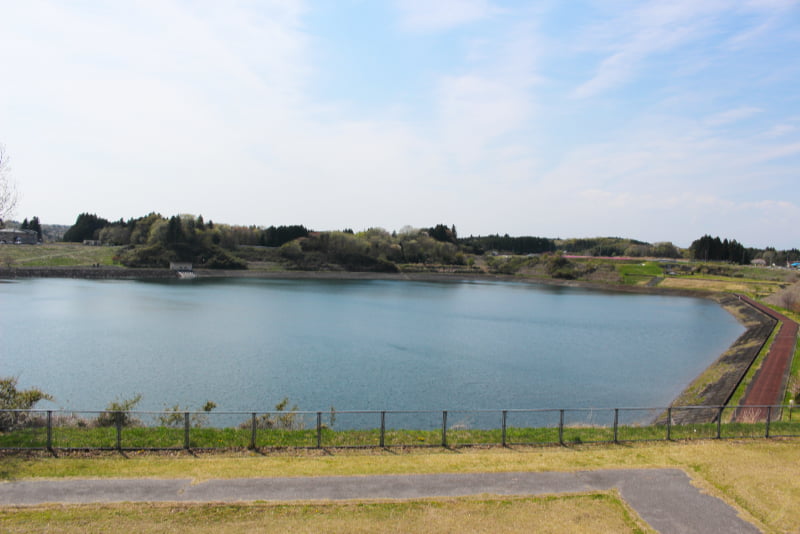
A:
(768, 385)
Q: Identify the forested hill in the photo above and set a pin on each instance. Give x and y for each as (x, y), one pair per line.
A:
(154, 241)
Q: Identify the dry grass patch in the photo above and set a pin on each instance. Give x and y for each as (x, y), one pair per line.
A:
(587, 513)
(727, 286)
(55, 255)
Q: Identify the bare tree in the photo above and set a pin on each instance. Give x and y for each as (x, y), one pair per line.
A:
(8, 190)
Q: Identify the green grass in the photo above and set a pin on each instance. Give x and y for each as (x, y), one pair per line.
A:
(639, 273)
(144, 438)
(794, 377)
(585, 513)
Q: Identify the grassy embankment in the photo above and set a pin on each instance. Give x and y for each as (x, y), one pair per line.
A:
(142, 438)
(55, 255)
(761, 478)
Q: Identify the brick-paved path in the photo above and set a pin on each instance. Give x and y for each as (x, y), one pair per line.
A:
(768, 385)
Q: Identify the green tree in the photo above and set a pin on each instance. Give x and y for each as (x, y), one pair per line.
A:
(440, 232)
(36, 226)
(709, 248)
(87, 226)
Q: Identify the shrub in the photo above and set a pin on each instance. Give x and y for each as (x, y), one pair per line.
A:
(284, 420)
(118, 413)
(12, 398)
(174, 417)
(559, 267)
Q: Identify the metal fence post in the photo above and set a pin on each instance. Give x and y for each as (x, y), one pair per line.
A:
(669, 423)
(561, 427)
(616, 425)
(444, 428)
(719, 422)
(118, 421)
(503, 433)
(253, 426)
(49, 430)
(769, 417)
(319, 430)
(383, 429)
(185, 430)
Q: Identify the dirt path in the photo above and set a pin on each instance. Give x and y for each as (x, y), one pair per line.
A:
(769, 383)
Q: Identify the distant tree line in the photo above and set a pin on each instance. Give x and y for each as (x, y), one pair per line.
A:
(618, 246)
(155, 240)
(709, 248)
(506, 243)
(776, 257)
(374, 249)
(89, 226)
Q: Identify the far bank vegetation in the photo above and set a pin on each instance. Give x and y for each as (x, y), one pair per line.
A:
(153, 241)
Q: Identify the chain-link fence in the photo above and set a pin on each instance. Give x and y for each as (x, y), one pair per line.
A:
(140, 430)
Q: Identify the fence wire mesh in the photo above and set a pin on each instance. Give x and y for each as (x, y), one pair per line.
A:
(172, 429)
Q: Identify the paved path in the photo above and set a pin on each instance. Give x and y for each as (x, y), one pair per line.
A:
(768, 384)
(664, 498)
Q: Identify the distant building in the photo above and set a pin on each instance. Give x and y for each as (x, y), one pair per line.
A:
(181, 266)
(759, 262)
(10, 236)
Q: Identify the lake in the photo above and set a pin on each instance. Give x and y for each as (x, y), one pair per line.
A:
(374, 345)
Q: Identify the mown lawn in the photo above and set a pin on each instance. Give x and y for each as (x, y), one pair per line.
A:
(588, 513)
(639, 273)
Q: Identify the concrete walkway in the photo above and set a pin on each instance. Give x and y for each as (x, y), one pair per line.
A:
(664, 498)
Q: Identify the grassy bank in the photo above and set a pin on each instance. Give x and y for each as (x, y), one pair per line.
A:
(153, 438)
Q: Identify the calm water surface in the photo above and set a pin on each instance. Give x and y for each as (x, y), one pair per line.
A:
(382, 345)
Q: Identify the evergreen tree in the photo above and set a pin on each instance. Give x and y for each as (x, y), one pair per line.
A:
(87, 226)
(36, 227)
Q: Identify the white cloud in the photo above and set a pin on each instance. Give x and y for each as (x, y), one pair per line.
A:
(214, 109)
(779, 130)
(649, 28)
(732, 115)
(426, 15)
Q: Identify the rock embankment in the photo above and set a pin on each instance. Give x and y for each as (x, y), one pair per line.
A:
(92, 273)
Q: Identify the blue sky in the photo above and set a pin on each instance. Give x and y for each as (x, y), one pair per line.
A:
(660, 121)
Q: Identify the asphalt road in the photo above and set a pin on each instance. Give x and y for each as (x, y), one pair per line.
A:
(665, 498)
